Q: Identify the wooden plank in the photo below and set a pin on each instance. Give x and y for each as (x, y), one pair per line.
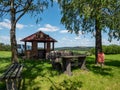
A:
(4, 75)
(16, 73)
(19, 69)
(8, 76)
(13, 71)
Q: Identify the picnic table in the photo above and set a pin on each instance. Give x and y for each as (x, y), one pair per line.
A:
(67, 63)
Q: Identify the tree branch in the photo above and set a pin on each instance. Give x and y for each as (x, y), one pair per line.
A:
(1, 10)
(24, 10)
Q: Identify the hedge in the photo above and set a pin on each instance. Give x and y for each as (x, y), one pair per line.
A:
(111, 49)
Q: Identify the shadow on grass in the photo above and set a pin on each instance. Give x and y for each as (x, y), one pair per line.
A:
(4, 64)
(115, 63)
(97, 69)
(34, 69)
(5, 60)
(37, 68)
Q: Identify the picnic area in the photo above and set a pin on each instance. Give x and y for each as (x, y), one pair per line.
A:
(60, 45)
(40, 75)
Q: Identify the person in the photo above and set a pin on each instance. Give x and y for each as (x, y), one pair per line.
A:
(101, 58)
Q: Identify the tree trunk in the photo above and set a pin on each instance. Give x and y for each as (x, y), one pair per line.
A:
(14, 58)
(98, 42)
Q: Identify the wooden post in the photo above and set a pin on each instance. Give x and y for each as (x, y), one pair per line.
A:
(67, 66)
(34, 49)
(48, 46)
(25, 52)
(53, 46)
(44, 45)
(25, 46)
(81, 62)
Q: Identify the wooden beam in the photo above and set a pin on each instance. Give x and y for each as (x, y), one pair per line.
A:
(25, 46)
(53, 46)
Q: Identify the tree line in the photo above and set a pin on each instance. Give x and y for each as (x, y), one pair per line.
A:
(5, 47)
(111, 49)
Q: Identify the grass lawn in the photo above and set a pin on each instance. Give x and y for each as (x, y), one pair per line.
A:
(39, 75)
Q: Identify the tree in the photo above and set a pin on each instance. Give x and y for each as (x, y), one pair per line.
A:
(92, 16)
(16, 9)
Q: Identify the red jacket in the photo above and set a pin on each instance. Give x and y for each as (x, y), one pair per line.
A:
(101, 57)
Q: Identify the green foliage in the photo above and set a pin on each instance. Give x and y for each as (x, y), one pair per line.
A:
(111, 49)
(68, 84)
(22, 7)
(82, 15)
(39, 75)
(92, 16)
(4, 47)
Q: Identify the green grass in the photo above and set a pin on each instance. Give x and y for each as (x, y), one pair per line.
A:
(39, 75)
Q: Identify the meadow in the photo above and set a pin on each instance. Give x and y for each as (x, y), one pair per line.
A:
(39, 74)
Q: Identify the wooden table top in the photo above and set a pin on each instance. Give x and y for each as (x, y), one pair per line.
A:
(74, 56)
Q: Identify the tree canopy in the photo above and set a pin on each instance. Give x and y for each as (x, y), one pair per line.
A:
(81, 15)
(92, 16)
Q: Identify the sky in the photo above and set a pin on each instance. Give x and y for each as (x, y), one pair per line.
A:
(51, 25)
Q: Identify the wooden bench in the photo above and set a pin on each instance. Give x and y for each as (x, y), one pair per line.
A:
(12, 76)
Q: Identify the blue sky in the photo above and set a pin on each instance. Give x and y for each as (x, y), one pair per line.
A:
(51, 25)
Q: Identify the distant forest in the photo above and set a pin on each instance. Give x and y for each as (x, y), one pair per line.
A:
(5, 47)
(78, 48)
(110, 49)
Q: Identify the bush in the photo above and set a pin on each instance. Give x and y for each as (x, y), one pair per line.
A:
(4, 47)
(111, 49)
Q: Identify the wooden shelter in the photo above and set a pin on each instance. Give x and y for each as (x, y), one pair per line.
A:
(34, 39)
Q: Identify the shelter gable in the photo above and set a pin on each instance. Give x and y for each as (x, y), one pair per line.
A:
(40, 37)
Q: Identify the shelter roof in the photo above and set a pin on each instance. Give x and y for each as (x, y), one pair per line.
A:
(39, 37)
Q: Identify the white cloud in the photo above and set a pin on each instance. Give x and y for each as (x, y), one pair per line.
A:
(6, 24)
(55, 0)
(0, 28)
(67, 31)
(64, 31)
(5, 39)
(18, 40)
(7, 20)
(77, 38)
(19, 26)
(48, 28)
(75, 41)
(106, 42)
(81, 32)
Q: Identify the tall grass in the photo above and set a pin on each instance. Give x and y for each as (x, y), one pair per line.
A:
(39, 75)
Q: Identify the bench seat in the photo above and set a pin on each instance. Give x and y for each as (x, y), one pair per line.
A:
(12, 76)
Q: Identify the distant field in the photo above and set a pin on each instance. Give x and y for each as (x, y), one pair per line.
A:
(39, 75)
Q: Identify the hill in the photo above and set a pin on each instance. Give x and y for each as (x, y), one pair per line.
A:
(81, 48)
